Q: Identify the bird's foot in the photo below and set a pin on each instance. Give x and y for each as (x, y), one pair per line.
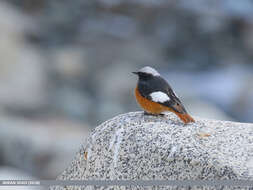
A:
(151, 114)
(146, 113)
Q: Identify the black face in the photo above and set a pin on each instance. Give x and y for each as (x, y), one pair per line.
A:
(144, 76)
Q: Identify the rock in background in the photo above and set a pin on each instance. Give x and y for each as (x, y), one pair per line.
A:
(41, 148)
(22, 74)
(33, 139)
(89, 49)
(137, 147)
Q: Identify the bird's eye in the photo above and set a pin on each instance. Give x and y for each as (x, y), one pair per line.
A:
(144, 76)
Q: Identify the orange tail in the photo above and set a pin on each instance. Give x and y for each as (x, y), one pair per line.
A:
(186, 118)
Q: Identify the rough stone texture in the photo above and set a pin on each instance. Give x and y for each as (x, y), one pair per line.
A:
(134, 146)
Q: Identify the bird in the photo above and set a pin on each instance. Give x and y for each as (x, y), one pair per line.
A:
(155, 95)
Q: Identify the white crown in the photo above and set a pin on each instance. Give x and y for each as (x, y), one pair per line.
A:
(149, 70)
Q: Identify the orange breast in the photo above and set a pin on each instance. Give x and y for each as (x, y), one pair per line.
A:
(149, 106)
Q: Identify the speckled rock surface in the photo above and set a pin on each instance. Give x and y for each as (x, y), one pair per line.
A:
(134, 146)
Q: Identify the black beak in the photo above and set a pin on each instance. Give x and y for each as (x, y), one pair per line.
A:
(136, 73)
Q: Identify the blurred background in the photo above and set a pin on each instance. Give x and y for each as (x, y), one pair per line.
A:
(66, 67)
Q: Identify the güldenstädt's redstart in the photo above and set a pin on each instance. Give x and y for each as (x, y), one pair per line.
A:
(155, 95)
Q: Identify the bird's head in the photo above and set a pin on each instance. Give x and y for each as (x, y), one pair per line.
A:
(146, 73)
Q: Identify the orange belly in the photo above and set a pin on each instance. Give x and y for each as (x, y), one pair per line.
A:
(149, 106)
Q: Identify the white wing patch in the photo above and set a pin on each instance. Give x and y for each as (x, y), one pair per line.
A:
(149, 70)
(159, 97)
